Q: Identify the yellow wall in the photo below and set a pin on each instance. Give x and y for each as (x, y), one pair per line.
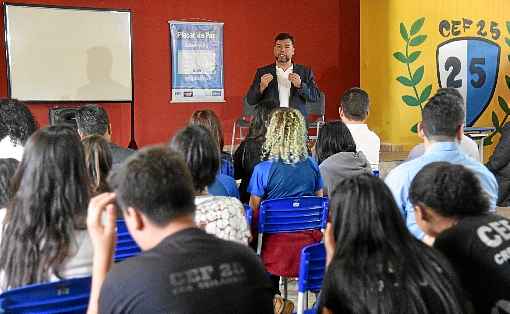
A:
(381, 38)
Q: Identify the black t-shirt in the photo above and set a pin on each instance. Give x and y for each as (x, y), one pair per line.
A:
(479, 249)
(189, 272)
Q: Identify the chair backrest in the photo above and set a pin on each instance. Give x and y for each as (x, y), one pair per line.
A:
(312, 267)
(292, 214)
(66, 296)
(317, 108)
(248, 213)
(125, 246)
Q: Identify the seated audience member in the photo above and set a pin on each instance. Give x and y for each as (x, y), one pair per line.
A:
(247, 155)
(182, 269)
(210, 120)
(92, 119)
(441, 126)
(337, 155)
(466, 144)
(452, 208)
(44, 235)
(98, 162)
(7, 168)
(219, 215)
(16, 125)
(224, 184)
(287, 171)
(353, 110)
(499, 165)
(374, 264)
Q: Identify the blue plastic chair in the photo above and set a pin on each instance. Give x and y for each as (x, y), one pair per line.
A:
(291, 214)
(311, 274)
(66, 296)
(248, 212)
(125, 246)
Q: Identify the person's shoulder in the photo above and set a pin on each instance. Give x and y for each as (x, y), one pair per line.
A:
(263, 166)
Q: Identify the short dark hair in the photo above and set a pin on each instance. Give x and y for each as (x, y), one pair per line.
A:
(155, 181)
(448, 189)
(334, 137)
(201, 154)
(450, 91)
(92, 119)
(355, 104)
(7, 169)
(442, 115)
(283, 36)
(16, 121)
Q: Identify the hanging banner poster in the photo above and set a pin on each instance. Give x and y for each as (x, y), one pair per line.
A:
(197, 61)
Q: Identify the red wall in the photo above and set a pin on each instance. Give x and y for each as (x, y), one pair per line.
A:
(326, 34)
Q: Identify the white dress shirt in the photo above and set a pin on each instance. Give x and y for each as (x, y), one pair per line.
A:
(284, 85)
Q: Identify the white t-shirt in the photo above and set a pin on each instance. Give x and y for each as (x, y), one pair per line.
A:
(284, 85)
(366, 141)
(78, 264)
(10, 150)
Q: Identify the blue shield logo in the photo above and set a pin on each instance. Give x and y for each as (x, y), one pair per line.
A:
(470, 65)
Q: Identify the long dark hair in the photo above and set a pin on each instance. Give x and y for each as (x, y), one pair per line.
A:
(258, 126)
(7, 168)
(379, 267)
(334, 137)
(50, 189)
(210, 121)
(98, 161)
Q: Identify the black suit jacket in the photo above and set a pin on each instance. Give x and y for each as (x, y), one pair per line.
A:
(499, 164)
(298, 97)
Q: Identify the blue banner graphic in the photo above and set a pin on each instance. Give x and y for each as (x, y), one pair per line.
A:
(197, 61)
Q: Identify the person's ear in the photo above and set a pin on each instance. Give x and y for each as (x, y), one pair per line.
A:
(422, 213)
(133, 219)
(340, 112)
(421, 132)
(459, 133)
(329, 243)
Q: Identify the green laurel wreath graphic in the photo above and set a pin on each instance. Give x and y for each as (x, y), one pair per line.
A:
(502, 103)
(413, 39)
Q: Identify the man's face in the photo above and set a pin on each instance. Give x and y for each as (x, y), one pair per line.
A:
(283, 50)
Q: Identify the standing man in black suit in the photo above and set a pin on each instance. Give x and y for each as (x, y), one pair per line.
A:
(286, 83)
(92, 119)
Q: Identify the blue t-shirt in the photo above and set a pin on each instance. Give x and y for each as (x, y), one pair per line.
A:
(223, 185)
(274, 179)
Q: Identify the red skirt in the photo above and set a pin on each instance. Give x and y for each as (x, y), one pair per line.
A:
(281, 252)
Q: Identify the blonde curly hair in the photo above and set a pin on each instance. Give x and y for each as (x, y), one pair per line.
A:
(286, 137)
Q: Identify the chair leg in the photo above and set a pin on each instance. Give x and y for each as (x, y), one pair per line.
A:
(233, 138)
(285, 281)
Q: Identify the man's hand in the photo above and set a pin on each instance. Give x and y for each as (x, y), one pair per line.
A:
(295, 79)
(102, 232)
(264, 81)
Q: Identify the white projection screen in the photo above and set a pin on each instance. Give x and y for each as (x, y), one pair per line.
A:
(68, 54)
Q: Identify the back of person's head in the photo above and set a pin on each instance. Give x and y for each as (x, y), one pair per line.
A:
(442, 116)
(50, 198)
(7, 168)
(210, 120)
(92, 119)
(156, 182)
(98, 161)
(355, 104)
(450, 91)
(16, 121)
(449, 190)
(284, 36)
(378, 265)
(200, 152)
(258, 125)
(286, 137)
(334, 137)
